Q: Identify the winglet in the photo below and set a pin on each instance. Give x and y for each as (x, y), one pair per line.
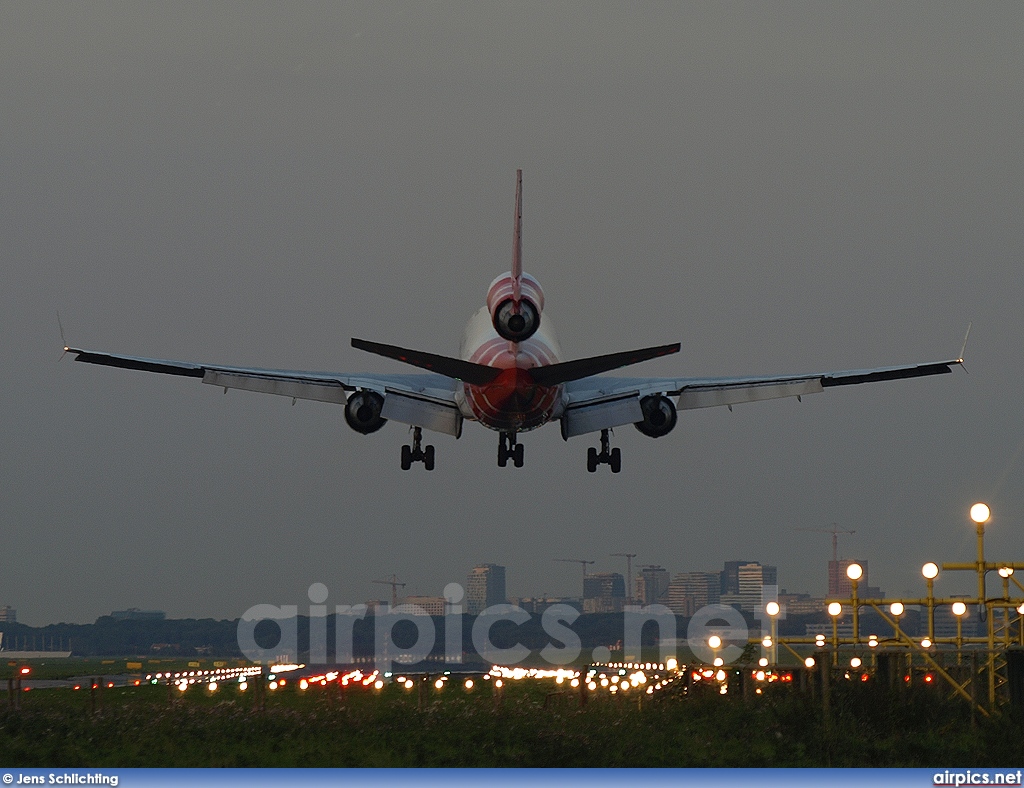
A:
(963, 350)
(517, 239)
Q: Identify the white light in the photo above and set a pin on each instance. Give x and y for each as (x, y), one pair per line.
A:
(772, 609)
(763, 662)
(378, 684)
(834, 608)
(438, 684)
(767, 642)
(959, 608)
(896, 608)
(854, 571)
(714, 641)
(809, 662)
(980, 513)
(930, 571)
(1005, 571)
(671, 663)
(719, 662)
(213, 686)
(469, 683)
(855, 662)
(926, 643)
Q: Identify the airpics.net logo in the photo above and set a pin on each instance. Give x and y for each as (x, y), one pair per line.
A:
(969, 777)
(423, 636)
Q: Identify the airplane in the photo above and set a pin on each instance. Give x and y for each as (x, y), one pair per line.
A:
(510, 377)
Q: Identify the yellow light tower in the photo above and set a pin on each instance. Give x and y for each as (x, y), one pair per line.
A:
(930, 572)
(855, 572)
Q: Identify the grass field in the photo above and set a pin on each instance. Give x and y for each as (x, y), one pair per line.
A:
(153, 725)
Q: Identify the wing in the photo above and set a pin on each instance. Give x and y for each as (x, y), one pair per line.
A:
(426, 400)
(598, 400)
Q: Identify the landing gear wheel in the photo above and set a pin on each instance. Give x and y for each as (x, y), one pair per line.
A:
(606, 456)
(508, 449)
(416, 453)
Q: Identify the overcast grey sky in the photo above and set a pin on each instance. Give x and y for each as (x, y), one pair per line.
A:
(782, 187)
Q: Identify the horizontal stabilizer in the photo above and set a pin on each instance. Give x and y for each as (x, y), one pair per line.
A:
(466, 371)
(553, 374)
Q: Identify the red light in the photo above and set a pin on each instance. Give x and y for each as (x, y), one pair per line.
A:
(864, 677)
(136, 682)
(78, 686)
(928, 678)
(110, 684)
(25, 671)
(906, 678)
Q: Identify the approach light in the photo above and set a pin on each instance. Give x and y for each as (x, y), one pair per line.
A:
(719, 662)
(855, 662)
(1005, 571)
(767, 642)
(772, 609)
(854, 571)
(715, 642)
(896, 608)
(926, 643)
(959, 608)
(930, 570)
(763, 662)
(809, 662)
(980, 513)
(834, 608)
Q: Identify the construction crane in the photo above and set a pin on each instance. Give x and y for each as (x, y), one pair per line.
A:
(393, 582)
(629, 574)
(835, 537)
(582, 562)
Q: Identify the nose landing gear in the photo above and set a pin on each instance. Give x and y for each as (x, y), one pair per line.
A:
(607, 455)
(508, 449)
(417, 453)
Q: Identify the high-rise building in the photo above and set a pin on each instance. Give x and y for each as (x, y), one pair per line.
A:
(652, 585)
(8, 615)
(604, 592)
(731, 577)
(690, 591)
(751, 578)
(485, 586)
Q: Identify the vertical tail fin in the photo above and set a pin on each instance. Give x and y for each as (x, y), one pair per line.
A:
(517, 239)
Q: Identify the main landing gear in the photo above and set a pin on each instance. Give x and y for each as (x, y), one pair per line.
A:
(612, 457)
(416, 453)
(508, 449)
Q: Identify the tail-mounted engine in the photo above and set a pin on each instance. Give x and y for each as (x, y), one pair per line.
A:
(659, 416)
(515, 315)
(362, 412)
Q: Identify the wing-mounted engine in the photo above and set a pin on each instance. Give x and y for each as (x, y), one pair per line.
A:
(515, 311)
(659, 416)
(362, 411)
